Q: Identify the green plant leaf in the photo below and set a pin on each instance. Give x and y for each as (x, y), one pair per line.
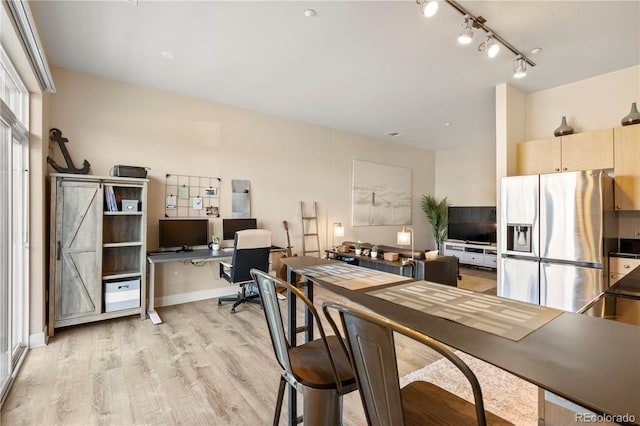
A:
(437, 215)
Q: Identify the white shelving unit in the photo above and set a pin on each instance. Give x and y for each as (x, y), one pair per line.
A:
(473, 254)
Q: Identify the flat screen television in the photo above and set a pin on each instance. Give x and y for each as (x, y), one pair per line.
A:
(475, 224)
(176, 234)
(230, 226)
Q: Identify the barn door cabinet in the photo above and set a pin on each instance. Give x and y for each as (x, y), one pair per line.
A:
(97, 249)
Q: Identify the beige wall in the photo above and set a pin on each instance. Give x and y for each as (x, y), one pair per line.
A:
(109, 122)
(595, 103)
(466, 175)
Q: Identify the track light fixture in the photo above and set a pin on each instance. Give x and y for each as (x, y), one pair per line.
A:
(491, 46)
(428, 8)
(519, 67)
(466, 35)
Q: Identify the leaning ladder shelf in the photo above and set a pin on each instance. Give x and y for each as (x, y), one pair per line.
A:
(310, 230)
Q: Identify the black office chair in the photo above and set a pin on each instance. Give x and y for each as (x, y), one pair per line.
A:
(370, 341)
(251, 249)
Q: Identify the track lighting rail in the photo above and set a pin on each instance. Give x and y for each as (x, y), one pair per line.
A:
(479, 22)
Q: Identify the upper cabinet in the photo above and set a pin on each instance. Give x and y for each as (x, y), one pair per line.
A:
(581, 151)
(627, 167)
(587, 151)
(541, 156)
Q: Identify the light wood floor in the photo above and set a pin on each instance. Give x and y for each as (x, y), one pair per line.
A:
(201, 366)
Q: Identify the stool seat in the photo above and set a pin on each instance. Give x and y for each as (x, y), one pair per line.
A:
(311, 367)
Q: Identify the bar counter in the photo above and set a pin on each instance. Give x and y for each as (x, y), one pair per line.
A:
(592, 362)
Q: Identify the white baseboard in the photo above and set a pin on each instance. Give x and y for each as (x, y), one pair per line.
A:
(37, 340)
(214, 293)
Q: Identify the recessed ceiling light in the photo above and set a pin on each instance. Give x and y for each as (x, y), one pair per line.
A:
(167, 55)
(536, 50)
(393, 133)
(310, 13)
(447, 123)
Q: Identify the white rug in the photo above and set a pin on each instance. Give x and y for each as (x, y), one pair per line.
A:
(504, 394)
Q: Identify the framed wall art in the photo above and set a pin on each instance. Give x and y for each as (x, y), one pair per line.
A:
(381, 194)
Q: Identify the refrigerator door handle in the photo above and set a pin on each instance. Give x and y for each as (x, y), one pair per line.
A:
(569, 262)
(519, 257)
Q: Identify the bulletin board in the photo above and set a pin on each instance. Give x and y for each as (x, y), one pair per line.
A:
(191, 196)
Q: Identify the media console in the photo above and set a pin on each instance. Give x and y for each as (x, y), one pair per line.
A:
(473, 254)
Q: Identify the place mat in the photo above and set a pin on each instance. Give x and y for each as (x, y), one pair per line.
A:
(349, 276)
(506, 318)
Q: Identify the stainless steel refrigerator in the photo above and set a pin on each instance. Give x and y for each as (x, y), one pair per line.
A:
(557, 229)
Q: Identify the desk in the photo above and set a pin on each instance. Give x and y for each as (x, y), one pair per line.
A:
(202, 255)
(589, 361)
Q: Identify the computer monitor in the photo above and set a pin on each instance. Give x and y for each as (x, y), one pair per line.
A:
(230, 226)
(176, 234)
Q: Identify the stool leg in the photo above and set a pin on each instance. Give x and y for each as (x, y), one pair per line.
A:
(321, 407)
(276, 418)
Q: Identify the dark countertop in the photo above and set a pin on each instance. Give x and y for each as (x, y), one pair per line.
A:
(591, 362)
(625, 255)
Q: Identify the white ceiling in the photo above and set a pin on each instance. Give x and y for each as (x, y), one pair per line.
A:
(367, 67)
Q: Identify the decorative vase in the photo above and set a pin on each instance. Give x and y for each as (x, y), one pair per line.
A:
(214, 247)
(374, 254)
(358, 252)
(564, 128)
(632, 118)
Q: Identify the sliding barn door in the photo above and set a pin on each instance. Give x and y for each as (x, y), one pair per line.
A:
(78, 250)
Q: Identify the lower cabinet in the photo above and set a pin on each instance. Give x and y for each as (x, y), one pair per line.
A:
(619, 267)
(472, 254)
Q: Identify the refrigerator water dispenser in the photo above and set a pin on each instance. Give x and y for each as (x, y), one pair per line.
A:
(519, 237)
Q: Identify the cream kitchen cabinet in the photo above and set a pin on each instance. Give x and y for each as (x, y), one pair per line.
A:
(581, 151)
(619, 267)
(627, 167)
(97, 249)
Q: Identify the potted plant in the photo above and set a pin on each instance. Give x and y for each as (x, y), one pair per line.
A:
(215, 243)
(374, 252)
(437, 215)
(357, 248)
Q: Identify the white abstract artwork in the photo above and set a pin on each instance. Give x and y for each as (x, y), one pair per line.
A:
(381, 194)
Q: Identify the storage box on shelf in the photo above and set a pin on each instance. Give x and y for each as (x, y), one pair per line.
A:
(472, 254)
(98, 247)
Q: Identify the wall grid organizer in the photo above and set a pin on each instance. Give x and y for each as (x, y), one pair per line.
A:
(191, 196)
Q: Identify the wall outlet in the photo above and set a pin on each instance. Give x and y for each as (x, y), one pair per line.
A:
(636, 233)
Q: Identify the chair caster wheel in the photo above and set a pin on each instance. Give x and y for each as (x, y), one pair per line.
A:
(219, 302)
(233, 311)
